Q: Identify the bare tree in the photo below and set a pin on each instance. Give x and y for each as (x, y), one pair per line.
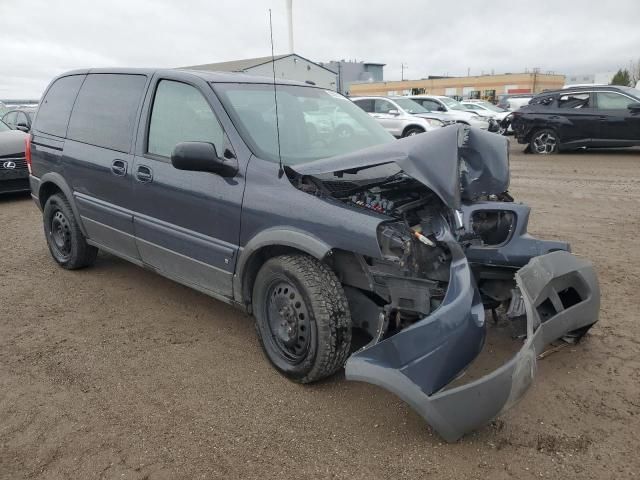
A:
(634, 72)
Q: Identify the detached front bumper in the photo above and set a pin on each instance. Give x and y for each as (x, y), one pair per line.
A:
(560, 293)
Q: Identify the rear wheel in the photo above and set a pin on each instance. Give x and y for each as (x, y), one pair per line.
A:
(410, 132)
(66, 242)
(544, 142)
(302, 317)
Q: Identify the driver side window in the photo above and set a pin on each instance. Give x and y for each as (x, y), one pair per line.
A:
(612, 101)
(181, 114)
(383, 106)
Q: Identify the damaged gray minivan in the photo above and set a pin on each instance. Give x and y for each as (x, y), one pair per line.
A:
(350, 248)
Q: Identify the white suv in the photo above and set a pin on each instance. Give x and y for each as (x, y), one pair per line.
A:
(400, 116)
(451, 108)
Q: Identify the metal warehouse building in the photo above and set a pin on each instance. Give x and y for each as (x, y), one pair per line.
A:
(481, 86)
(290, 66)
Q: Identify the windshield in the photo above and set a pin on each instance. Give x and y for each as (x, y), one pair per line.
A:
(492, 107)
(4, 127)
(410, 106)
(631, 91)
(451, 103)
(314, 123)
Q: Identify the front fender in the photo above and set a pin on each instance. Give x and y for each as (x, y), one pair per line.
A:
(276, 236)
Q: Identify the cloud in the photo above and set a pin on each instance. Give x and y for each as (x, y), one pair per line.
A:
(40, 39)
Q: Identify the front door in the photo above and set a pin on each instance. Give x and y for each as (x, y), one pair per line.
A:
(187, 224)
(617, 122)
(390, 121)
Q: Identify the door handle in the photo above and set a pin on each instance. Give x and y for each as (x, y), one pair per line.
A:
(144, 174)
(119, 168)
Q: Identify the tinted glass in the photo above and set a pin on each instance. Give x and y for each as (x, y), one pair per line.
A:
(313, 123)
(54, 111)
(429, 105)
(574, 100)
(105, 110)
(366, 105)
(613, 101)
(181, 114)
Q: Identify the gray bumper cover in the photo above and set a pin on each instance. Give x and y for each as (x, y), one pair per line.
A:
(543, 283)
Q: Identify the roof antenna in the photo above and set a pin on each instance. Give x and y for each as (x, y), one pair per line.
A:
(275, 96)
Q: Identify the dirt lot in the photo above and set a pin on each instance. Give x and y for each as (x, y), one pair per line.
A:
(115, 372)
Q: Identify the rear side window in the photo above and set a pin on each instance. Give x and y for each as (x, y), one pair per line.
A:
(55, 108)
(574, 100)
(365, 104)
(105, 111)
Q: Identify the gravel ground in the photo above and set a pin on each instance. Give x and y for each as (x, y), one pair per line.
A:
(115, 372)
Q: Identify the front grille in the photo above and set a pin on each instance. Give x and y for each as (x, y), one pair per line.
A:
(20, 163)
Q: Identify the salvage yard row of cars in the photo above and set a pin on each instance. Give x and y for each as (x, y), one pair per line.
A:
(395, 250)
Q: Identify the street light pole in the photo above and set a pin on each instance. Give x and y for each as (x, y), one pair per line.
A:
(402, 67)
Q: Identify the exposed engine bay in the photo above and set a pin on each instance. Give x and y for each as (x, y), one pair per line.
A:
(411, 279)
(452, 244)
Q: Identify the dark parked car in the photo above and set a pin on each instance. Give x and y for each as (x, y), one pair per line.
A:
(14, 176)
(579, 117)
(20, 118)
(357, 249)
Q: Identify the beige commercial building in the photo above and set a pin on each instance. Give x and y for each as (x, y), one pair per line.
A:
(482, 86)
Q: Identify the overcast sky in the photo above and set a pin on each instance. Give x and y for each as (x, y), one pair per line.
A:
(42, 38)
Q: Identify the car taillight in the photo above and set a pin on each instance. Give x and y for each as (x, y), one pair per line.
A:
(27, 152)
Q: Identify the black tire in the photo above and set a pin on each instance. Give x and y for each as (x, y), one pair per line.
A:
(66, 242)
(302, 317)
(544, 142)
(410, 132)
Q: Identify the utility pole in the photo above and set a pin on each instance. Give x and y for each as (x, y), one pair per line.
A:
(290, 22)
(402, 67)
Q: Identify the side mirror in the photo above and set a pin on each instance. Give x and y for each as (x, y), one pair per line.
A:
(393, 111)
(442, 109)
(634, 107)
(201, 157)
(22, 127)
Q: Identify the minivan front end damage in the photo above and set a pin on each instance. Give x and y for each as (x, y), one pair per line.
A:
(453, 244)
(413, 363)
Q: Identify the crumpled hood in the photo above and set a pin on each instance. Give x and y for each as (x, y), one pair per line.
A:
(457, 163)
(12, 143)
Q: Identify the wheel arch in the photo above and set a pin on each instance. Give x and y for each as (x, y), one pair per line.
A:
(412, 126)
(268, 244)
(52, 183)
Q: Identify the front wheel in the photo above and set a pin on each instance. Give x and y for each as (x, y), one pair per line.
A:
(302, 317)
(413, 131)
(66, 242)
(544, 142)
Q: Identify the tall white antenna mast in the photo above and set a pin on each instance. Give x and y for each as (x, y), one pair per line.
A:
(290, 18)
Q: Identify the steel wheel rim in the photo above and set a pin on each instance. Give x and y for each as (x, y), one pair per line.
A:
(288, 321)
(545, 143)
(412, 133)
(60, 234)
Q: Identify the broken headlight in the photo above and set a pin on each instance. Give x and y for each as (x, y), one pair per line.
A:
(493, 227)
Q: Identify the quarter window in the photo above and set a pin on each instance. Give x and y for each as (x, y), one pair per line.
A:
(54, 111)
(181, 114)
(612, 101)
